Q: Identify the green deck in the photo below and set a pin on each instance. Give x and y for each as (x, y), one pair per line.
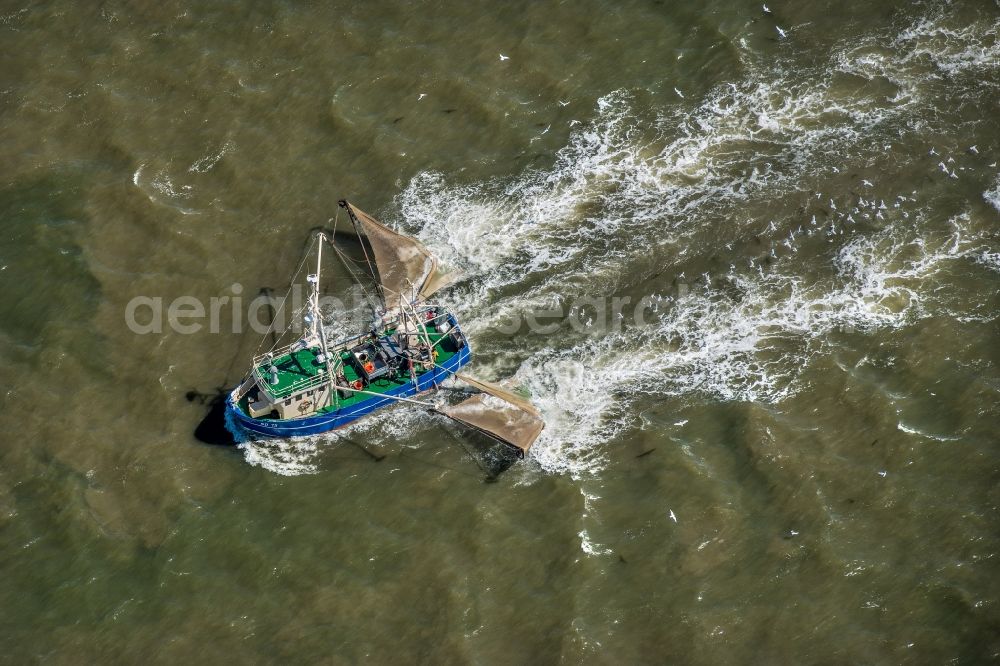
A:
(297, 369)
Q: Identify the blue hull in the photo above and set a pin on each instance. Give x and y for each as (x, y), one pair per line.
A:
(311, 425)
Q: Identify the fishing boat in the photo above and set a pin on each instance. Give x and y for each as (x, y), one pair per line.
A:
(326, 379)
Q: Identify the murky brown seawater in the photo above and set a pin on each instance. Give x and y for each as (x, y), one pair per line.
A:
(794, 459)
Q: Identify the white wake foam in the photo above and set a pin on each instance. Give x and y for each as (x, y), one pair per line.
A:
(749, 348)
(619, 184)
(992, 196)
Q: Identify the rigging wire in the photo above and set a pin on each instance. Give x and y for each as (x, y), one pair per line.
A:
(293, 318)
(371, 266)
(347, 261)
(336, 220)
(281, 305)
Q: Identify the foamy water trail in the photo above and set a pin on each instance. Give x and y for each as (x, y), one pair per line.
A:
(748, 349)
(398, 426)
(635, 186)
(992, 196)
(632, 189)
(283, 456)
(953, 48)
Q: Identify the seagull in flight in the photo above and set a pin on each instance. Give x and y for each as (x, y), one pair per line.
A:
(866, 183)
(503, 57)
(767, 10)
(781, 33)
(679, 93)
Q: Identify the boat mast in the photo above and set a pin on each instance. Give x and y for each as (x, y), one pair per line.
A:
(317, 319)
(313, 280)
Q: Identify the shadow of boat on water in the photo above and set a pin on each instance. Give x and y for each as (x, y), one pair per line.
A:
(212, 428)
